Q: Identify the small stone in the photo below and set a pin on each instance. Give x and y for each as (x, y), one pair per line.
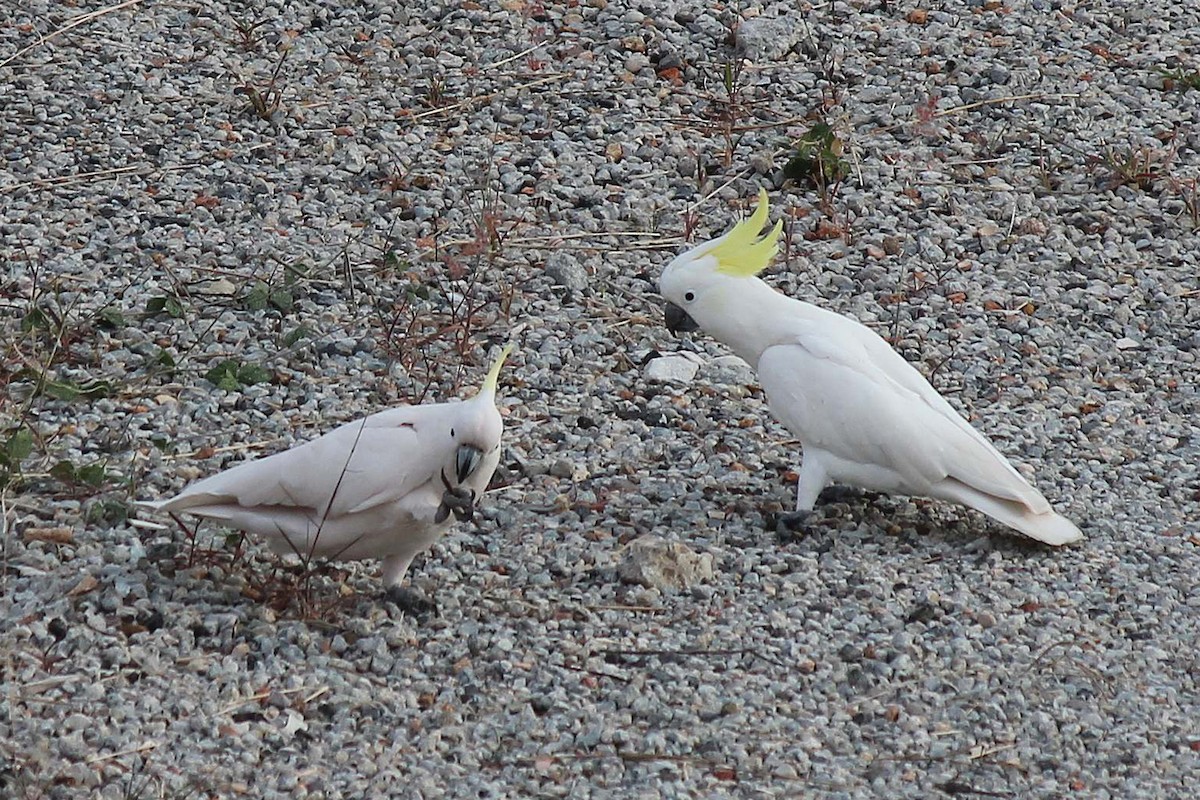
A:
(566, 271)
(732, 370)
(767, 38)
(221, 286)
(673, 367)
(656, 563)
(1031, 227)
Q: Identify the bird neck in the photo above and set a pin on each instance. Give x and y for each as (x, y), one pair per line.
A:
(753, 318)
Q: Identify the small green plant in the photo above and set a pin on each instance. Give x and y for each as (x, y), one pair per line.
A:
(1139, 167)
(169, 304)
(88, 475)
(16, 447)
(262, 296)
(1177, 79)
(435, 96)
(265, 100)
(817, 158)
(1186, 191)
(66, 390)
(233, 375)
(247, 31)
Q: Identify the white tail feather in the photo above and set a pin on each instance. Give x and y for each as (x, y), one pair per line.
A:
(1047, 526)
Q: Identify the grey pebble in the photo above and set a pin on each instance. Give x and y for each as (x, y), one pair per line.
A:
(423, 155)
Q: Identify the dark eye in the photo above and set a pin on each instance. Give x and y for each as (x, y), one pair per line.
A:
(452, 433)
(690, 296)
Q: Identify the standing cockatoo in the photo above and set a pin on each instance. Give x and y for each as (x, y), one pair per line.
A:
(380, 487)
(864, 416)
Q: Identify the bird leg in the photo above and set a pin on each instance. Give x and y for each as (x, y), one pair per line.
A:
(457, 499)
(812, 479)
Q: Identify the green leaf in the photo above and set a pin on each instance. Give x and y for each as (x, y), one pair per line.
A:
(108, 510)
(296, 335)
(282, 300)
(92, 474)
(231, 375)
(60, 391)
(292, 273)
(165, 304)
(110, 318)
(256, 299)
(224, 376)
(164, 359)
(36, 318)
(250, 374)
(817, 157)
(18, 447)
(63, 471)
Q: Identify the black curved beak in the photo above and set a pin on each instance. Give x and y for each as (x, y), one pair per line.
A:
(677, 319)
(466, 460)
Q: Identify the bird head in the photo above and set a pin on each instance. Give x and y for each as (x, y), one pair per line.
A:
(702, 284)
(478, 434)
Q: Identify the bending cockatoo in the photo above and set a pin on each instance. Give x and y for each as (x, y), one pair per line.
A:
(380, 487)
(864, 416)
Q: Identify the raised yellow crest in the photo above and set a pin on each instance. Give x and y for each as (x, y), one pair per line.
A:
(493, 376)
(742, 252)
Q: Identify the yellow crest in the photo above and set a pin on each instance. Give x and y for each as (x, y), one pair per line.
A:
(493, 376)
(741, 252)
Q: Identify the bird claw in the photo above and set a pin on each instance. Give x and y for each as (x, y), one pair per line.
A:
(460, 501)
(457, 499)
(411, 603)
(837, 493)
(792, 523)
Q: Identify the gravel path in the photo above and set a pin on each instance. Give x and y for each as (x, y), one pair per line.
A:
(226, 226)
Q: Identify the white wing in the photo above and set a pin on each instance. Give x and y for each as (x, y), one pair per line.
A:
(369, 462)
(842, 389)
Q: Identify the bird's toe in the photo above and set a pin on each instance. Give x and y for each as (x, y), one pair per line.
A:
(839, 494)
(412, 603)
(791, 524)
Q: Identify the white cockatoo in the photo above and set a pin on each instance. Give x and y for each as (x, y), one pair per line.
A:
(864, 416)
(381, 487)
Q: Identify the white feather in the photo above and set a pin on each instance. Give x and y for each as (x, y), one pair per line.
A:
(368, 489)
(864, 416)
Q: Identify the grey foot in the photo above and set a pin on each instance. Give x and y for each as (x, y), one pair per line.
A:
(792, 523)
(457, 501)
(840, 494)
(413, 604)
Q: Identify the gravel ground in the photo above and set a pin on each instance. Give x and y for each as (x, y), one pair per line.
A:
(226, 226)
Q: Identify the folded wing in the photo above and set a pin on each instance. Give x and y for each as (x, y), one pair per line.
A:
(843, 390)
(369, 462)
